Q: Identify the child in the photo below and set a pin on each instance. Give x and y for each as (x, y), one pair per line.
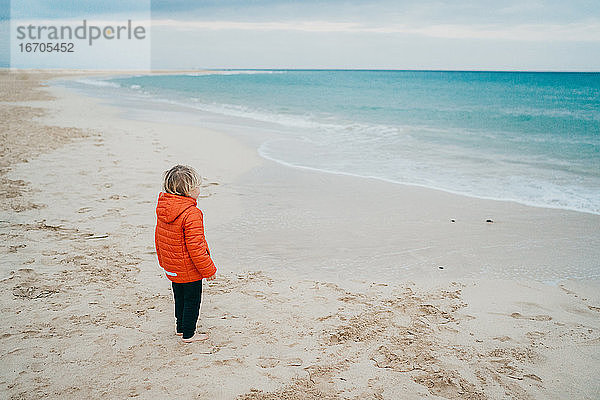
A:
(181, 248)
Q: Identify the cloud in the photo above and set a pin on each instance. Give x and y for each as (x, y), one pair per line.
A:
(305, 26)
(57, 9)
(588, 31)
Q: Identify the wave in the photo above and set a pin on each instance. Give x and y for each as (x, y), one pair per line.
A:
(98, 82)
(308, 120)
(545, 195)
(240, 72)
(585, 115)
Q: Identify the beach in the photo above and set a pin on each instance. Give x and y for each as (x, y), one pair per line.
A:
(329, 286)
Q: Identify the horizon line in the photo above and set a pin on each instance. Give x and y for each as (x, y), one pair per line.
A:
(396, 69)
(188, 70)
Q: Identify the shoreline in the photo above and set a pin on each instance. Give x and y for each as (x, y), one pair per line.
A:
(519, 202)
(286, 317)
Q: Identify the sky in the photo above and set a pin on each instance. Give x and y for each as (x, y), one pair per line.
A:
(539, 35)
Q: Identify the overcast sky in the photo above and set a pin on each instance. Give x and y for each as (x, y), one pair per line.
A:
(460, 34)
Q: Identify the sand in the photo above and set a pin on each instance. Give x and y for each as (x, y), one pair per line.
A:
(329, 286)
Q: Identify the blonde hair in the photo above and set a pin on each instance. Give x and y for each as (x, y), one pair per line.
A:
(180, 180)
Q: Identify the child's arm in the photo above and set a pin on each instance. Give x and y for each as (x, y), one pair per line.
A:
(196, 243)
(156, 246)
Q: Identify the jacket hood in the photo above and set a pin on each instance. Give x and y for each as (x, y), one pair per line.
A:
(170, 206)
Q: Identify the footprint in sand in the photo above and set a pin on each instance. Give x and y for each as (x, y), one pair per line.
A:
(13, 249)
(293, 362)
(533, 377)
(29, 291)
(267, 362)
(542, 317)
(535, 335)
(112, 211)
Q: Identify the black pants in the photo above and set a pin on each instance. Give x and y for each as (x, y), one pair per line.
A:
(187, 306)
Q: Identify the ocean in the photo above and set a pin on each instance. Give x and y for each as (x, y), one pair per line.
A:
(527, 137)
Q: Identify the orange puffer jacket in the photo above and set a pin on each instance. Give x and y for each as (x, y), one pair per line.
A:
(179, 238)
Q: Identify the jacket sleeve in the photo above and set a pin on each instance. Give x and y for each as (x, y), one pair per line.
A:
(193, 229)
(156, 245)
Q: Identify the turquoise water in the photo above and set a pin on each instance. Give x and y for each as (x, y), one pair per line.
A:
(533, 138)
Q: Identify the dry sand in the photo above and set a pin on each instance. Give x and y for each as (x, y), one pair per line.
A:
(329, 287)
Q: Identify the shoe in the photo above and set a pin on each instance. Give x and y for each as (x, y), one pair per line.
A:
(198, 337)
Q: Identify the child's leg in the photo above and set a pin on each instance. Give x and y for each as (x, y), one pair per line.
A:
(178, 295)
(191, 307)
